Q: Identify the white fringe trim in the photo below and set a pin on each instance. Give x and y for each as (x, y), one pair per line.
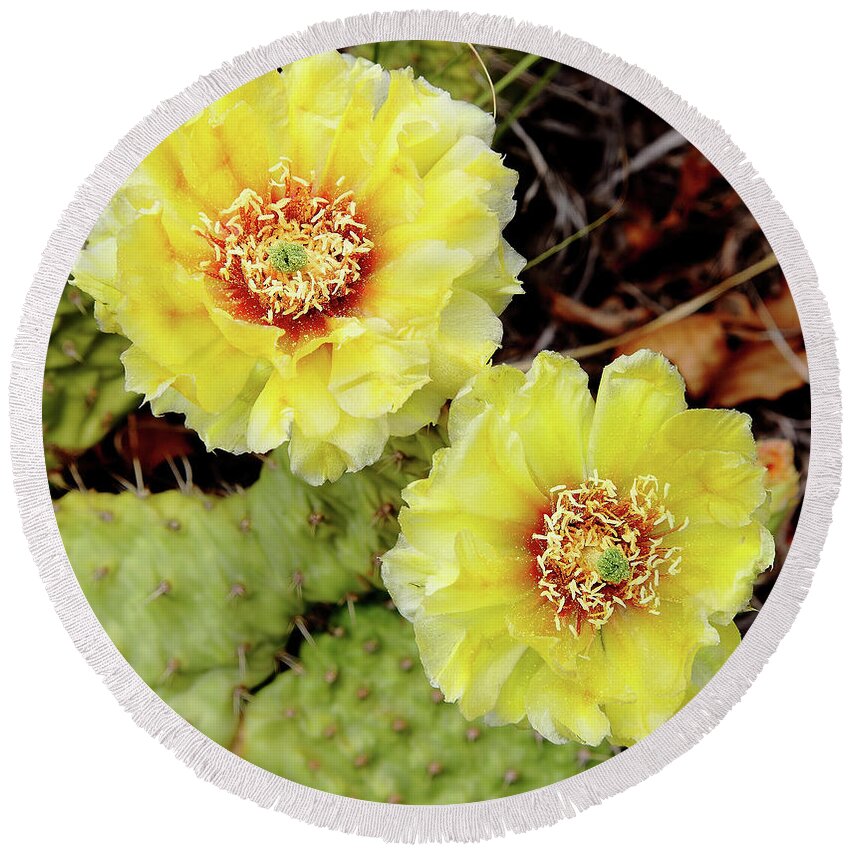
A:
(472, 821)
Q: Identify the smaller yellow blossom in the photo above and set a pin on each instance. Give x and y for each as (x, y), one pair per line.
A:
(577, 565)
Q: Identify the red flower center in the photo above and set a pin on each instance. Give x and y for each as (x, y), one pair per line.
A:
(596, 550)
(290, 257)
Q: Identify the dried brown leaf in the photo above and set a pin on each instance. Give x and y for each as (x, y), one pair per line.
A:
(696, 345)
(151, 441)
(758, 370)
(739, 311)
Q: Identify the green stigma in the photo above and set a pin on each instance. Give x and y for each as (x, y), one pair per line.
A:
(613, 566)
(288, 257)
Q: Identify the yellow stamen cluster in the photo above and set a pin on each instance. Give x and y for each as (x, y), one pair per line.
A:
(599, 550)
(293, 250)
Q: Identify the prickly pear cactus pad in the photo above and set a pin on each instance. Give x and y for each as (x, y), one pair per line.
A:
(358, 717)
(213, 701)
(335, 535)
(195, 589)
(181, 582)
(83, 396)
(426, 423)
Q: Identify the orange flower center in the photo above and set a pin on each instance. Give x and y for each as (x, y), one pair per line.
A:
(596, 550)
(290, 253)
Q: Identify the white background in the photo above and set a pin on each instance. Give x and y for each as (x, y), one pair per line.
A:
(75, 78)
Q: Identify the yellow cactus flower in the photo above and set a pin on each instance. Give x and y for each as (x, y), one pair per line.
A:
(315, 258)
(576, 565)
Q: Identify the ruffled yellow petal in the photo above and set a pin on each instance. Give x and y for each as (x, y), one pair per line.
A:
(354, 148)
(199, 162)
(714, 487)
(318, 90)
(315, 460)
(427, 269)
(494, 388)
(708, 459)
(344, 442)
(422, 407)
(96, 268)
(468, 335)
(362, 441)
(558, 708)
(554, 421)
(550, 408)
(271, 416)
(640, 667)
(164, 312)
(248, 164)
(710, 659)
(638, 393)
(486, 576)
(375, 373)
(474, 482)
(146, 375)
(226, 428)
(720, 430)
(411, 125)
(530, 621)
(511, 704)
(721, 565)
(495, 278)
(434, 529)
(468, 219)
(470, 657)
(410, 573)
(317, 411)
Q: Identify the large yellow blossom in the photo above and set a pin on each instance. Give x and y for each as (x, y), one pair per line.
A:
(316, 257)
(577, 565)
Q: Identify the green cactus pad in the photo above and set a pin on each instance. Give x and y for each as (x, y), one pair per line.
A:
(214, 701)
(361, 720)
(329, 539)
(84, 395)
(179, 581)
(191, 587)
